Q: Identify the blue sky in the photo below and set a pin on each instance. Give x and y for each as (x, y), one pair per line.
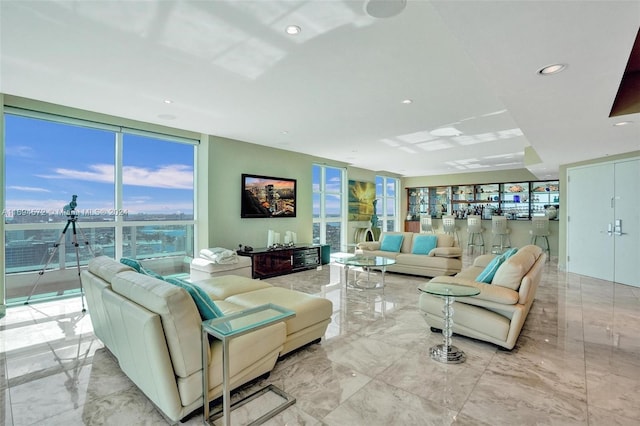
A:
(47, 162)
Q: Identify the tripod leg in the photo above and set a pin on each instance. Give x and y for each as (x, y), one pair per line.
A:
(75, 243)
(86, 241)
(41, 272)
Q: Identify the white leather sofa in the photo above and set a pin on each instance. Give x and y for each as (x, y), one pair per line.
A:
(498, 313)
(153, 328)
(444, 259)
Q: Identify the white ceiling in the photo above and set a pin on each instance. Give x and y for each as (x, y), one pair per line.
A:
(335, 90)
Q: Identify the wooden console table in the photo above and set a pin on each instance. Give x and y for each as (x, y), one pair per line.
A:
(268, 263)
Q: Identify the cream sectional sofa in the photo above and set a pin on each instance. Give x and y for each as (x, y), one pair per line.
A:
(444, 259)
(153, 328)
(498, 313)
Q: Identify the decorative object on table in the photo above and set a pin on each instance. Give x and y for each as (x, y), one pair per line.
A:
(374, 216)
(551, 212)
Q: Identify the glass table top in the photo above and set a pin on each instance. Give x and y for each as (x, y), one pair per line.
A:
(358, 260)
(244, 321)
(445, 289)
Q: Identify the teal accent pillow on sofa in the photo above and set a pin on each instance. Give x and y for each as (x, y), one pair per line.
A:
(391, 242)
(486, 276)
(207, 307)
(423, 244)
(131, 262)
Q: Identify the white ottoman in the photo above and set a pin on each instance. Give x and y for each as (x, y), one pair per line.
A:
(202, 269)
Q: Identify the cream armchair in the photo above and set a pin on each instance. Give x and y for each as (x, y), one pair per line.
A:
(498, 313)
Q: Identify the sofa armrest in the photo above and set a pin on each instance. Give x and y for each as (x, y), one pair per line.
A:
(446, 252)
(488, 292)
(369, 245)
(483, 260)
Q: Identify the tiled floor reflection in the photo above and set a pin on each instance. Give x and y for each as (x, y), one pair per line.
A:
(577, 362)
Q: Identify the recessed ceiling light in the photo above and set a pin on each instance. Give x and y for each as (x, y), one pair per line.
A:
(552, 69)
(168, 101)
(407, 101)
(292, 29)
(622, 123)
(285, 132)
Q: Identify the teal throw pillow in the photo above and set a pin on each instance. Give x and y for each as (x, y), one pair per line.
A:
(423, 244)
(131, 262)
(207, 307)
(391, 242)
(507, 254)
(486, 276)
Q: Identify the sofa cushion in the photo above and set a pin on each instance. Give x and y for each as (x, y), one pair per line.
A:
(309, 309)
(487, 274)
(446, 240)
(106, 268)
(391, 242)
(206, 307)
(224, 286)
(423, 244)
(446, 252)
(513, 269)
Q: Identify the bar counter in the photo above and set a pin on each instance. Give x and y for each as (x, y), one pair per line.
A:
(519, 234)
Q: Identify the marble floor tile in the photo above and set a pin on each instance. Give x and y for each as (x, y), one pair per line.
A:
(577, 362)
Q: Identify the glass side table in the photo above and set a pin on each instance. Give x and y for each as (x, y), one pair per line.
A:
(446, 352)
(366, 262)
(226, 329)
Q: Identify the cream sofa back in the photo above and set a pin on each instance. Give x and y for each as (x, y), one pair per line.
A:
(100, 272)
(179, 315)
(444, 240)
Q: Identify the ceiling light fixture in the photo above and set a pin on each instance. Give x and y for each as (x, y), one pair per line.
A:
(384, 8)
(552, 69)
(293, 29)
(168, 101)
(407, 101)
(622, 123)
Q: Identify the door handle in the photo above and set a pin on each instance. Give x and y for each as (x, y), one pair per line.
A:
(609, 229)
(617, 228)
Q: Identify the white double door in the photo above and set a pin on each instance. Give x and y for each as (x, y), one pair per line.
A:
(603, 228)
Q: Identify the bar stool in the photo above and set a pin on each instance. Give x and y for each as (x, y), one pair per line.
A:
(449, 227)
(474, 233)
(426, 226)
(500, 232)
(540, 229)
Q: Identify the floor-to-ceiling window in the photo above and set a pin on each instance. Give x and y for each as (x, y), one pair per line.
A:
(387, 206)
(133, 193)
(328, 210)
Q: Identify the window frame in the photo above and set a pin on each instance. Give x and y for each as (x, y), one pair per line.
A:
(322, 193)
(383, 199)
(59, 274)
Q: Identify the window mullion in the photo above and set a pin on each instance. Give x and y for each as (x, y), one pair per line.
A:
(119, 219)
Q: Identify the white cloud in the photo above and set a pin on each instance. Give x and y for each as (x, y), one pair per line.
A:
(28, 189)
(19, 151)
(175, 176)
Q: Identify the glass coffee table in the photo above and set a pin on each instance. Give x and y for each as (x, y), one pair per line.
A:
(367, 263)
(446, 352)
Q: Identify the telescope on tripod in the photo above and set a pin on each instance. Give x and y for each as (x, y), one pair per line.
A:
(72, 218)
